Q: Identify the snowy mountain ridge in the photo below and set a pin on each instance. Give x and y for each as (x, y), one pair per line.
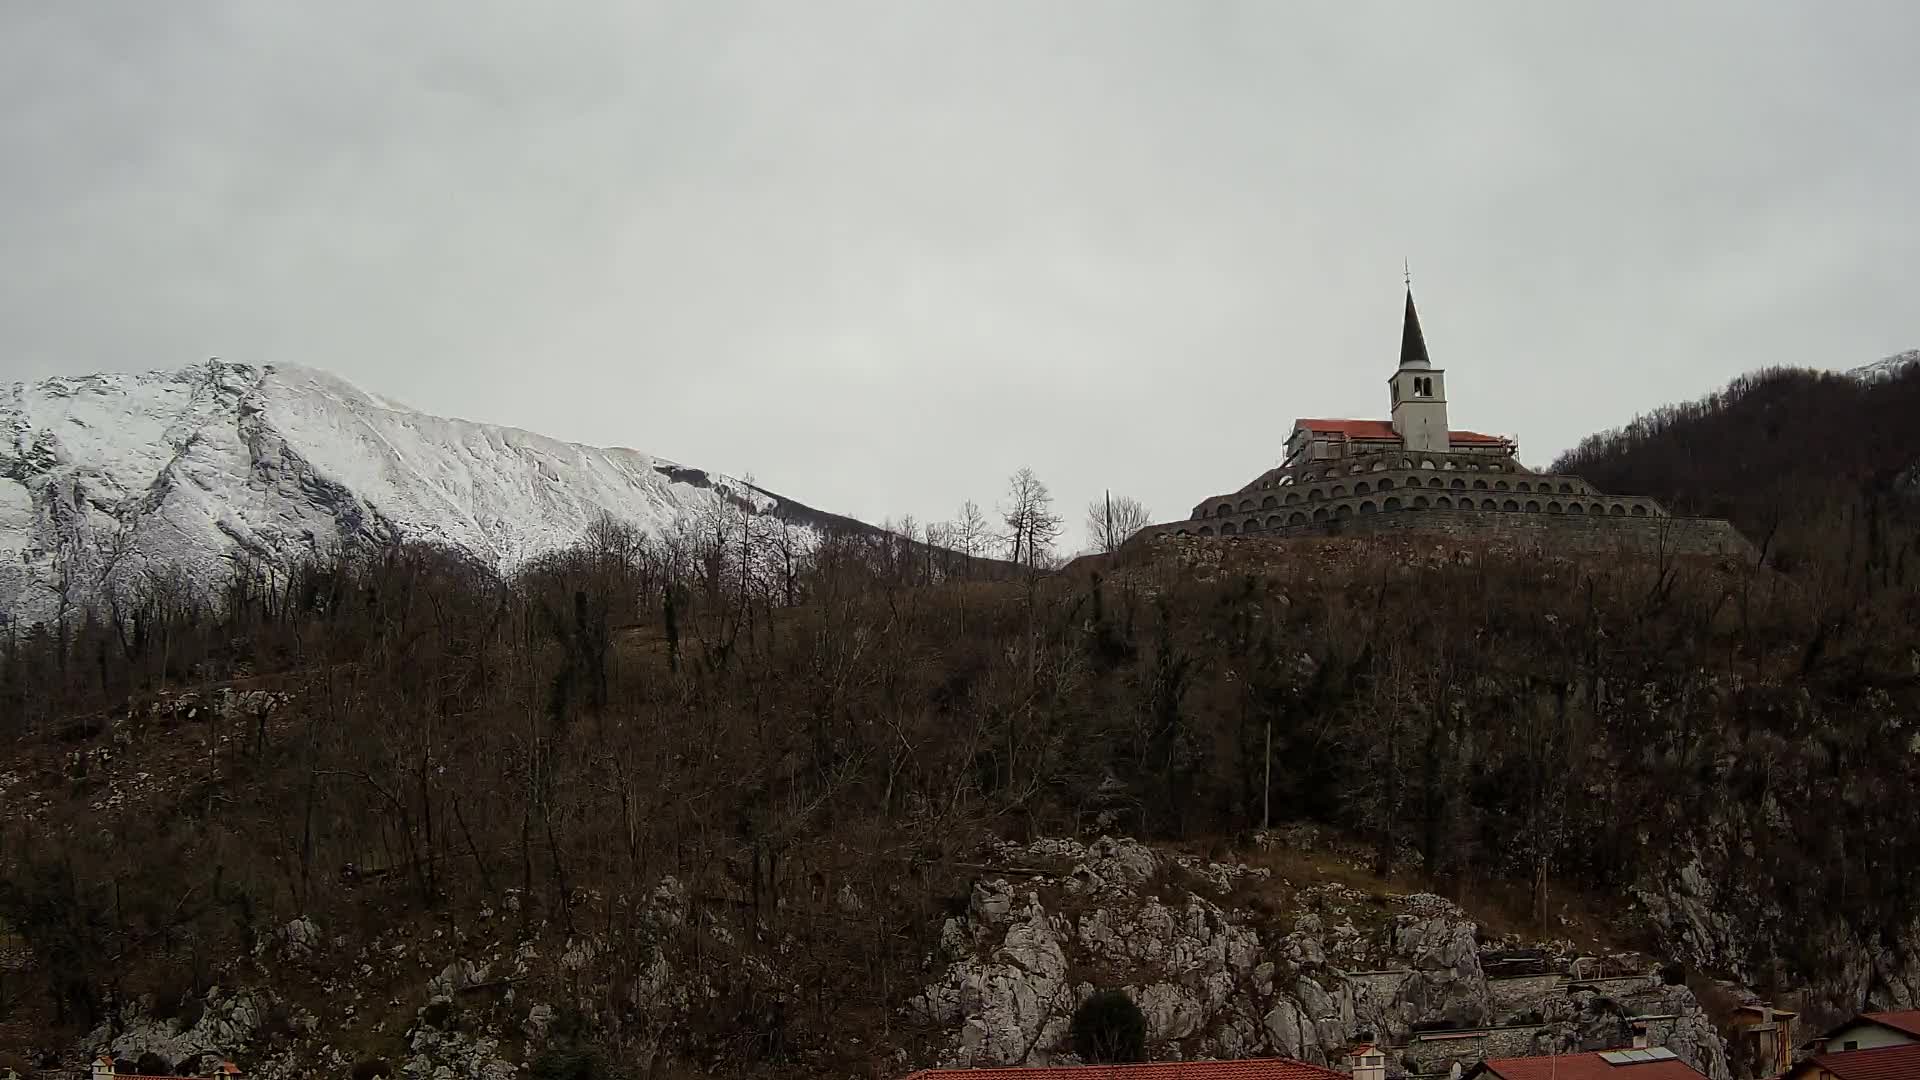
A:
(1888, 368)
(107, 477)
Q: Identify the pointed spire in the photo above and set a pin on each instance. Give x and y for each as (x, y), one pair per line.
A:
(1413, 344)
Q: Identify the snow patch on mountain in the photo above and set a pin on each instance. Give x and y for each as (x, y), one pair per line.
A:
(1889, 368)
(106, 480)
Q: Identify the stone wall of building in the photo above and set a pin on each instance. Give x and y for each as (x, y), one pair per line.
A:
(1570, 534)
(1560, 533)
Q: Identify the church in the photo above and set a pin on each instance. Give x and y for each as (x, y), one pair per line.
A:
(1414, 471)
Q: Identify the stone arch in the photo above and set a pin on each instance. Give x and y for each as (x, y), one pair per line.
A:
(1251, 525)
(1224, 508)
(1246, 504)
(1509, 505)
(1344, 510)
(1338, 490)
(1618, 510)
(1315, 494)
(1500, 484)
(1639, 510)
(1284, 481)
(1206, 530)
(1296, 518)
(1292, 498)
(1386, 483)
(1320, 514)
(1576, 508)
(1523, 486)
(1533, 506)
(1480, 485)
(1361, 488)
(1489, 504)
(1406, 463)
(1419, 503)
(1380, 466)
(1447, 466)
(1459, 484)
(1434, 482)
(1182, 532)
(1426, 463)
(1269, 503)
(1566, 489)
(1274, 522)
(1443, 503)
(1368, 507)
(1554, 507)
(1228, 528)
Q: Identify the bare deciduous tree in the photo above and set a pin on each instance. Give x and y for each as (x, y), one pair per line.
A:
(1032, 526)
(1112, 521)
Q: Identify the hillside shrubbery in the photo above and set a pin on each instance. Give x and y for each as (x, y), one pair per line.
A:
(811, 745)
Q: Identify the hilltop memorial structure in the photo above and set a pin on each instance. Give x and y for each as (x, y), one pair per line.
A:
(1414, 472)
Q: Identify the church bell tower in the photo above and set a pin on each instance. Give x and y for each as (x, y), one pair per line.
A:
(1419, 391)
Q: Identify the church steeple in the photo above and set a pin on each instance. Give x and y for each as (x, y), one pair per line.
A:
(1419, 390)
(1413, 344)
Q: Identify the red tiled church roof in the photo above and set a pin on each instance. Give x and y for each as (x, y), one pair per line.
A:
(1584, 1067)
(1258, 1069)
(1883, 1063)
(1383, 430)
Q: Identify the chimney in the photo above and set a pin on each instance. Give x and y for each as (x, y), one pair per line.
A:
(103, 1067)
(1367, 1062)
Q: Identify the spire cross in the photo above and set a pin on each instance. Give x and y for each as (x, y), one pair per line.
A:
(1409, 269)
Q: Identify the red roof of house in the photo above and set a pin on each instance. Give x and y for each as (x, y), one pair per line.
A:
(1585, 1067)
(1383, 430)
(1884, 1063)
(1907, 1020)
(1258, 1069)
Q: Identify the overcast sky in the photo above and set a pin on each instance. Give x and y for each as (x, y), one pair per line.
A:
(880, 255)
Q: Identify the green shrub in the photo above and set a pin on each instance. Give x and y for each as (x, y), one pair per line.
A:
(1110, 1029)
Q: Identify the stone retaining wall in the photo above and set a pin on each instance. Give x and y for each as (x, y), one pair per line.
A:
(1568, 534)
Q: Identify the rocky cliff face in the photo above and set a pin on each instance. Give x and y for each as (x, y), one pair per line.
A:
(1216, 966)
(1219, 981)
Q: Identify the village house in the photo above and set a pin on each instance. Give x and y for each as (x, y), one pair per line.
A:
(1655, 1063)
(1870, 1031)
(1760, 1039)
(1881, 1063)
(105, 1069)
(1366, 1063)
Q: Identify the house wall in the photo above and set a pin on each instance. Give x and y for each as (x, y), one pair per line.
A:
(1869, 1036)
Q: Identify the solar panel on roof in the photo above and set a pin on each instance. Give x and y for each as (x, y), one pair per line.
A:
(1638, 1057)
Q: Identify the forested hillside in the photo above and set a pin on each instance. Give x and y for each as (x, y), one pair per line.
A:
(1803, 461)
(804, 753)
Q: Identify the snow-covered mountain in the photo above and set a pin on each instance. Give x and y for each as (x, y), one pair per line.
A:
(1888, 368)
(105, 477)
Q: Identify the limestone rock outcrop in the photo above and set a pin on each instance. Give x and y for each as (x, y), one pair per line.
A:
(1216, 981)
